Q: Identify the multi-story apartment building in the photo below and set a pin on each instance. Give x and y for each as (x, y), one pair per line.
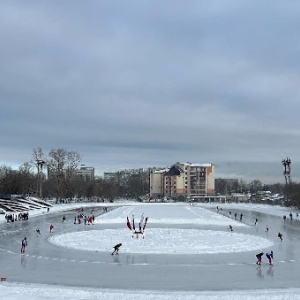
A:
(183, 179)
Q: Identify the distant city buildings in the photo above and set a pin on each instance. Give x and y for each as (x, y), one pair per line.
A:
(189, 180)
(84, 173)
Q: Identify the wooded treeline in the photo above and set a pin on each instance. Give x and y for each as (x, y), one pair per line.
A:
(31, 179)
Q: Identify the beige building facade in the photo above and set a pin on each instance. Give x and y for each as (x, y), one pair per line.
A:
(190, 180)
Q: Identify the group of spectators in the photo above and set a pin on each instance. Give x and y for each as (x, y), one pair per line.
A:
(16, 217)
(86, 219)
(81, 218)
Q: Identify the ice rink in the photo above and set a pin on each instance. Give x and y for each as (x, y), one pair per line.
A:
(186, 249)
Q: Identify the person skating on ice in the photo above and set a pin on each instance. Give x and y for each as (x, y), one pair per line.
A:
(280, 236)
(23, 245)
(270, 257)
(116, 248)
(259, 257)
(241, 217)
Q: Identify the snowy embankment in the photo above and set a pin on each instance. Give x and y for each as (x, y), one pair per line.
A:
(43, 292)
(277, 210)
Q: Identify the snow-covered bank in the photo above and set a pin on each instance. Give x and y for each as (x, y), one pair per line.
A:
(14, 291)
(274, 210)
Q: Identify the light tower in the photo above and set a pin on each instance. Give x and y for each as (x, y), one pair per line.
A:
(40, 163)
(287, 170)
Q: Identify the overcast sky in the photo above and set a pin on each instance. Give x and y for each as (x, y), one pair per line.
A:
(133, 84)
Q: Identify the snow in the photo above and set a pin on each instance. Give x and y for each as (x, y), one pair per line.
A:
(160, 213)
(263, 208)
(12, 291)
(181, 240)
(164, 240)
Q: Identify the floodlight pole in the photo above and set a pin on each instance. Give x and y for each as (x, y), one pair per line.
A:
(40, 163)
(287, 170)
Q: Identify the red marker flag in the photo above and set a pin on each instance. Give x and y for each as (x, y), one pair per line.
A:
(128, 224)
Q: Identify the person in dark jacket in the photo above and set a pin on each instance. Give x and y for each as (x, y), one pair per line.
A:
(259, 256)
(116, 248)
(24, 244)
(270, 257)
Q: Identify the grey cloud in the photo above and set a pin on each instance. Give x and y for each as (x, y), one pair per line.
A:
(150, 83)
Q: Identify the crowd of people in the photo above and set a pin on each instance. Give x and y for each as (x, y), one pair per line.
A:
(16, 217)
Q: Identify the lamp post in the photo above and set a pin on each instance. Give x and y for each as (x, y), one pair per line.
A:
(40, 163)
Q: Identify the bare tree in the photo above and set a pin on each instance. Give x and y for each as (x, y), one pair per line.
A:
(62, 165)
(292, 194)
(5, 181)
(27, 178)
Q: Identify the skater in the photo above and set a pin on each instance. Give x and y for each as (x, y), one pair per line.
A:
(256, 220)
(116, 247)
(24, 244)
(235, 215)
(280, 235)
(63, 218)
(38, 231)
(51, 228)
(267, 228)
(291, 216)
(241, 217)
(270, 257)
(259, 256)
(230, 227)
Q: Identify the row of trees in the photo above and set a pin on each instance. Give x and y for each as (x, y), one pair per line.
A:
(292, 194)
(62, 182)
(228, 186)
